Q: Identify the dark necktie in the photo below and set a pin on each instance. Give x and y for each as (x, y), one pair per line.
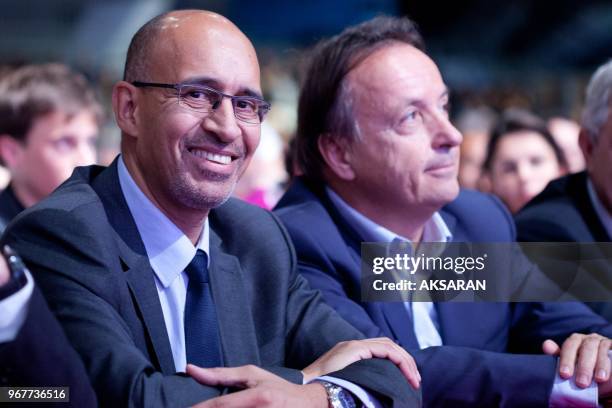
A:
(202, 341)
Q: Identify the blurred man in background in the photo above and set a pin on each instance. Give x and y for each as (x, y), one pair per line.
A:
(578, 207)
(49, 123)
(581, 203)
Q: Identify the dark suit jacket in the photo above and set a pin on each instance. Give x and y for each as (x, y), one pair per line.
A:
(41, 356)
(472, 369)
(563, 212)
(9, 207)
(84, 248)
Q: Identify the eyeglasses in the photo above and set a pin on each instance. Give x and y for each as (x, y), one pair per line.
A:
(200, 98)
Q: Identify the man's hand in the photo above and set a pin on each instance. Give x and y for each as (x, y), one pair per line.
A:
(4, 271)
(261, 388)
(348, 352)
(586, 356)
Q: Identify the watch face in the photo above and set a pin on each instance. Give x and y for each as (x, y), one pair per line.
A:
(346, 399)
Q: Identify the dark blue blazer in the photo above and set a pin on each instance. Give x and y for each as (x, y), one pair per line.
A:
(474, 367)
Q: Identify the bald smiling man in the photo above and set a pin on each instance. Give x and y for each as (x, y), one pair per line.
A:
(149, 266)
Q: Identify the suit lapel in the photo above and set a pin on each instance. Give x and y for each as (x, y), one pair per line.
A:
(452, 321)
(236, 327)
(450, 318)
(396, 314)
(138, 272)
(577, 186)
(401, 324)
(142, 285)
(451, 222)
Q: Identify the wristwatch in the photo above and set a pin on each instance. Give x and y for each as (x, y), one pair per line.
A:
(17, 268)
(338, 397)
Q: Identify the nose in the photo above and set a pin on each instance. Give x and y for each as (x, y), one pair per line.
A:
(446, 135)
(523, 172)
(222, 122)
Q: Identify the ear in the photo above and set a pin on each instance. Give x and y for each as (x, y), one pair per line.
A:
(125, 105)
(337, 155)
(586, 145)
(10, 150)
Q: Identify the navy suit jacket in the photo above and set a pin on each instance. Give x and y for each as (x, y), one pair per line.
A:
(84, 249)
(473, 367)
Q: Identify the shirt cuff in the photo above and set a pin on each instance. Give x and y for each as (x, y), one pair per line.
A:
(14, 310)
(565, 393)
(365, 397)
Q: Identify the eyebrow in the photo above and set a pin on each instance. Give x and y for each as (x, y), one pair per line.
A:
(214, 83)
(418, 101)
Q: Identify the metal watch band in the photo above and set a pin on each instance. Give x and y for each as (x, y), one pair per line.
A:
(338, 397)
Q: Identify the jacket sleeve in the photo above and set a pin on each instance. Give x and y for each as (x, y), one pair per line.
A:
(32, 358)
(313, 328)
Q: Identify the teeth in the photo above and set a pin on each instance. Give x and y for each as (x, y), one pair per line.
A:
(217, 158)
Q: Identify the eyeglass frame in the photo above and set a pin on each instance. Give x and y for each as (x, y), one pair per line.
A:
(264, 108)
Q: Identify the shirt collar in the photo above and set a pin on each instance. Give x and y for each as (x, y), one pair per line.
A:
(602, 213)
(434, 230)
(169, 250)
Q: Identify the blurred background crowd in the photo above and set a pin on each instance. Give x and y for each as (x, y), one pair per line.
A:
(516, 70)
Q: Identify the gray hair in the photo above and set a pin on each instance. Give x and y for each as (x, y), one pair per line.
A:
(597, 103)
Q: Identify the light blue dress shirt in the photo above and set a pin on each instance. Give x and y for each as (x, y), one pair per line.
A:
(169, 251)
(425, 317)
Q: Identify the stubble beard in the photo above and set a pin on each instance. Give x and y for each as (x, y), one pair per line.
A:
(200, 196)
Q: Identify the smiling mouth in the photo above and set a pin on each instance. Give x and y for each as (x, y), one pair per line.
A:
(441, 166)
(218, 158)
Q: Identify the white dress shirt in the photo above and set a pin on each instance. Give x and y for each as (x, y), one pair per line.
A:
(565, 393)
(14, 310)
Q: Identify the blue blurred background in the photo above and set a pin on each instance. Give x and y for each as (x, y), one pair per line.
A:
(493, 54)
